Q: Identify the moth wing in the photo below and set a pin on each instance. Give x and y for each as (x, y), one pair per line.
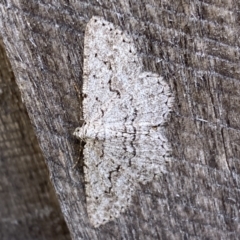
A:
(110, 65)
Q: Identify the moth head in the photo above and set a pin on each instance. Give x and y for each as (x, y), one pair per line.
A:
(79, 133)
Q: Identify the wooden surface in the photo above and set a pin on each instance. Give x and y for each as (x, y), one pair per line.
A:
(29, 208)
(194, 45)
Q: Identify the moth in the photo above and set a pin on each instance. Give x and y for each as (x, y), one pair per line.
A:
(124, 109)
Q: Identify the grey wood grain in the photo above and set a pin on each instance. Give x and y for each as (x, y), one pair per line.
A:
(29, 208)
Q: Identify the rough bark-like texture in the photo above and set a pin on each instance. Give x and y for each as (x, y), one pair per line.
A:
(28, 206)
(194, 45)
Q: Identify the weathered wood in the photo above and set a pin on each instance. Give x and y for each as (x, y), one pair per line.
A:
(29, 208)
(194, 45)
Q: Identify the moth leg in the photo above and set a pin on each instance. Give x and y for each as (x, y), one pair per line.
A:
(80, 156)
(80, 100)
